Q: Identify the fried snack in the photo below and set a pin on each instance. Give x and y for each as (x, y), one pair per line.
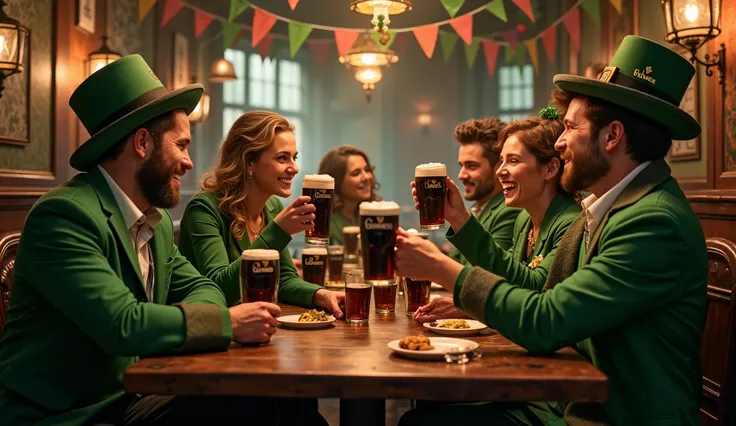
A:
(416, 343)
(454, 324)
(314, 316)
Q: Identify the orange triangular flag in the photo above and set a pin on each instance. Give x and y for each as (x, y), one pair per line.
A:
(320, 50)
(531, 47)
(490, 50)
(572, 24)
(201, 22)
(144, 6)
(262, 24)
(264, 47)
(616, 5)
(171, 8)
(427, 38)
(549, 38)
(526, 7)
(463, 25)
(293, 3)
(345, 41)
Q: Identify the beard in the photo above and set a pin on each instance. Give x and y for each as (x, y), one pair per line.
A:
(482, 189)
(154, 181)
(585, 169)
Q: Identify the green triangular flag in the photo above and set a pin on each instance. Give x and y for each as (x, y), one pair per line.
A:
(593, 9)
(377, 39)
(452, 6)
(497, 9)
(508, 54)
(448, 41)
(471, 52)
(521, 55)
(298, 34)
(229, 32)
(237, 7)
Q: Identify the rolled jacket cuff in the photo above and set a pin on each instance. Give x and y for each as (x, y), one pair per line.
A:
(208, 327)
(472, 296)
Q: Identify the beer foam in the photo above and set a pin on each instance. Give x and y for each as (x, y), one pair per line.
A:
(430, 169)
(351, 230)
(336, 249)
(315, 251)
(260, 254)
(318, 182)
(379, 208)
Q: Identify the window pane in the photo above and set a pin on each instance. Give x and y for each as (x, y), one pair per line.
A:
(503, 77)
(229, 115)
(269, 95)
(529, 97)
(255, 94)
(503, 101)
(237, 58)
(517, 98)
(269, 69)
(528, 75)
(234, 91)
(255, 66)
(515, 76)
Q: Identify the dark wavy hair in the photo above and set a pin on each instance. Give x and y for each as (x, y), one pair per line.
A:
(335, 164)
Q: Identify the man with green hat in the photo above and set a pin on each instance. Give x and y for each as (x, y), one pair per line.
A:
(98, 281)
(627, 287)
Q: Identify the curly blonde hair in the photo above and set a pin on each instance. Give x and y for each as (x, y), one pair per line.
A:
(250, 135)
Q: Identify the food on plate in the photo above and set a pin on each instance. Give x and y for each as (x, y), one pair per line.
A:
(454, 324)
(314, 316)
(416, 343)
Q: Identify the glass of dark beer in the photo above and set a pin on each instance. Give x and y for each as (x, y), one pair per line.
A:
(351, 238)
(314, 265)
(335, 254)
(357, 297)
(320, 188)
(431, 192)
(259, 275)
(416, 292)
(379, 222)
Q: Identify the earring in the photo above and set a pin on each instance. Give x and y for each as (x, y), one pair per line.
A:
(250, 174)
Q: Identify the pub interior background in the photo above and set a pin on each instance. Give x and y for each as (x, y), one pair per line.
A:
(414, 108)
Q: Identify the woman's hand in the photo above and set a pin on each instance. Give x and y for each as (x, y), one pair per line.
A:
(297, 216)
(420, 259)
(333, 301)
(438, 308)
(455, 212)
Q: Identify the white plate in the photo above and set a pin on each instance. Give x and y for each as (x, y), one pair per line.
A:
(436, 286)
(292, 321)
(475, 328)
(334, 284)
(442, 346)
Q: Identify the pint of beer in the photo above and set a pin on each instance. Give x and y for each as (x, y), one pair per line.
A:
(320, 188)
(431, 192)
(314, 265)
(335, 254)
(350, 235)
(379, 222)
(259, 275)
(416, 293)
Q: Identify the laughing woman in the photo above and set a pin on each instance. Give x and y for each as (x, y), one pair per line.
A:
(530, 174)
(238, 209)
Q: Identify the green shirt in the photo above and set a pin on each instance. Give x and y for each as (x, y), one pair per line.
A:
(209, 245)
(337, 222)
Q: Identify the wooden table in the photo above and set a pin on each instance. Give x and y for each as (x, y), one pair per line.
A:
(353, 363)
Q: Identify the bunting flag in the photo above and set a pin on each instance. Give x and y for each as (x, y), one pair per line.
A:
(549, 40)
(264, 47)
(345, 41)
(201, 22)
(237, 7)
(262, 24)
(453, 6)
(526, 7)
(509, 36)
(490, 50)
(508, 54)
(497, 9)
(320, 50)
(464, 27)
(229, 34)
(471, 52)
(427, 38)
(377, 39)
(616, 5)
(593, 9)
(293, 3)
(144, 6)
(572, 24)
(520, 57)
(240, 35)
(298, 34)
(171, 8)
(531, 47)
(448, 41)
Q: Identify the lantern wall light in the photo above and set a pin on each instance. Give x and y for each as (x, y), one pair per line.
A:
(221, 71)
(367, 59)
(103, 56)
(202, 110)
(13, 45)
(381, 10)
(691, 24)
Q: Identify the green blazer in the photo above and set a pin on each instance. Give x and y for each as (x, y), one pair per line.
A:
(80, 316)
(634, 304)
(497, 219)
(480, 248)
(337, 222)
(205, 240)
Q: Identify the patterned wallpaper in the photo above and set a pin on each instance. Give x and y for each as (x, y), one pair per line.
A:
(37, 16)
(125, 29)
(728, 36)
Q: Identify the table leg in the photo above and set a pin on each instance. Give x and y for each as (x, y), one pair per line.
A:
(362, 412)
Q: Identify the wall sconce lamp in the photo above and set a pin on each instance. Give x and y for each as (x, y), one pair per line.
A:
(691, 24)
(13, 44)
(202, 110)
(221, 71)
(104, 55)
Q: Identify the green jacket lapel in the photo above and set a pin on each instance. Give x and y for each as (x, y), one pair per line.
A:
(115, 219)
(566, 256)
(490, 209)
(160, 259)
(519, 248)
(555, 209)
(648, 179)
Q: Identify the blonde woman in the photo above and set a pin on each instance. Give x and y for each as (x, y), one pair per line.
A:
(238, 209)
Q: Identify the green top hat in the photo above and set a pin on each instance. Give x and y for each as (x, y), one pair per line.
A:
(644, 77)
(117, 99)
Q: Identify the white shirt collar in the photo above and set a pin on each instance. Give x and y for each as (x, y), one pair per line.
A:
(595, 208)
(132, 215)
